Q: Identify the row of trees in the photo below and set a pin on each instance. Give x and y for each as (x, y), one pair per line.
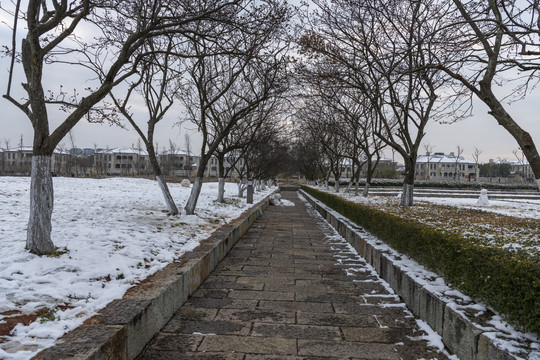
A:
(378, 71)
(224, 59)
(373, 73)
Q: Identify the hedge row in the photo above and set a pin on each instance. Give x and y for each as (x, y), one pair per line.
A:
(508, 281)
(446, 184)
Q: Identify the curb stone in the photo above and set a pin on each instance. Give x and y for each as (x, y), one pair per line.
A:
(123, 328)
(466, 335)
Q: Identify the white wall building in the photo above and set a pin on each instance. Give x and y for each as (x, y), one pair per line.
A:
(439, 166)
(122, 161)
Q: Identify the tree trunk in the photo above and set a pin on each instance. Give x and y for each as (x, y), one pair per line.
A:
(38, 240)
(407, 196)
(365, 193)
(194, 196)
(241, 189)
(408, 186)
(326, 184)
(369, 177)
(169, 201)
(221, 190)
(336, 185)
(171, 206)
(356, 187)
(522, 137)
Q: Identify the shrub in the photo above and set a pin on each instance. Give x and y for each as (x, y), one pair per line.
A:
(507, 280)
(445, 184)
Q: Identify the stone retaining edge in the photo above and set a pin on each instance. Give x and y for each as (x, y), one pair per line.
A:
(459, 334)
(123, 328)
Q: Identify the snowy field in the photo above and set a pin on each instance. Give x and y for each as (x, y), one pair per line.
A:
(511, 207)
(507, 223)
(465, 199)
(110, 234)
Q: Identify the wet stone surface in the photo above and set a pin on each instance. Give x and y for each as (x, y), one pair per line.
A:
(291, 289)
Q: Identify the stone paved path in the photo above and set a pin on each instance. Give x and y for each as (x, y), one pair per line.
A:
(288, 291)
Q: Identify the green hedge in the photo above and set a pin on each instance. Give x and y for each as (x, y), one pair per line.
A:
(508, 281)
(456, 185)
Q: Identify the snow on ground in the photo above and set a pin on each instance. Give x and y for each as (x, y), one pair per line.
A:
(506, 223)
(350, 255)
(522, 208)
(110, 234)
(522, 345)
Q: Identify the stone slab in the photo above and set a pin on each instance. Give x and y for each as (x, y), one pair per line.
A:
(459, 334)
(128, 324)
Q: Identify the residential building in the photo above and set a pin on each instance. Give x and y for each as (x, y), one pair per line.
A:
(178, 162)
(519, 169)
(383, 164)
(233, 166)
(439, 167)
(17, 161)
(122, 161)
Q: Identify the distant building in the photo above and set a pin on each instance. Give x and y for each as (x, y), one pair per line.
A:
(178, 162)
(440, 167)
(17, 161)
(122, 161)
(519, 169)
(234, 167)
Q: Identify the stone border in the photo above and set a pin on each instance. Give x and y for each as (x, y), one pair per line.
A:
(123, 328)
(465, 338)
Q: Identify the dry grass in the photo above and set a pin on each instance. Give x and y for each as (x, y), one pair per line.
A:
(483, 227)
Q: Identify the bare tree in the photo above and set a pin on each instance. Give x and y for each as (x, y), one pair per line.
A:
(119, 29)
(429, 154)
(251, 128)
(187, 143)
(157, 85)
(488, 42)
(521, 163)
(249, 58)
(457, 158)
(382, 52)
(476, 157)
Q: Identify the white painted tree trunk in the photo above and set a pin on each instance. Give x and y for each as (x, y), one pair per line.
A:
(263, 185)
(193, 196)
(348, 187)
(356, 188)
(171, 206)
(326, 184)
(221, 190)
(538, 183)
(336, 186)
(241, 189)
(38, 238)
(366, 189)
(407, 195)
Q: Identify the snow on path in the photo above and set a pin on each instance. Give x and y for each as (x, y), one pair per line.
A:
(114, 232)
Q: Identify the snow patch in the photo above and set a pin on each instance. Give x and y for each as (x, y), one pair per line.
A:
(110, 234)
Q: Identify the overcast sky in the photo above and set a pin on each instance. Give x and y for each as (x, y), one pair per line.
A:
(481, 130)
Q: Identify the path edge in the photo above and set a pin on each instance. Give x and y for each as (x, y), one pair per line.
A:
(122, 329)
(458, 332)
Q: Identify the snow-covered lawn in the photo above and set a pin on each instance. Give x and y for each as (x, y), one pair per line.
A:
(507, 223)
(110, 234)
